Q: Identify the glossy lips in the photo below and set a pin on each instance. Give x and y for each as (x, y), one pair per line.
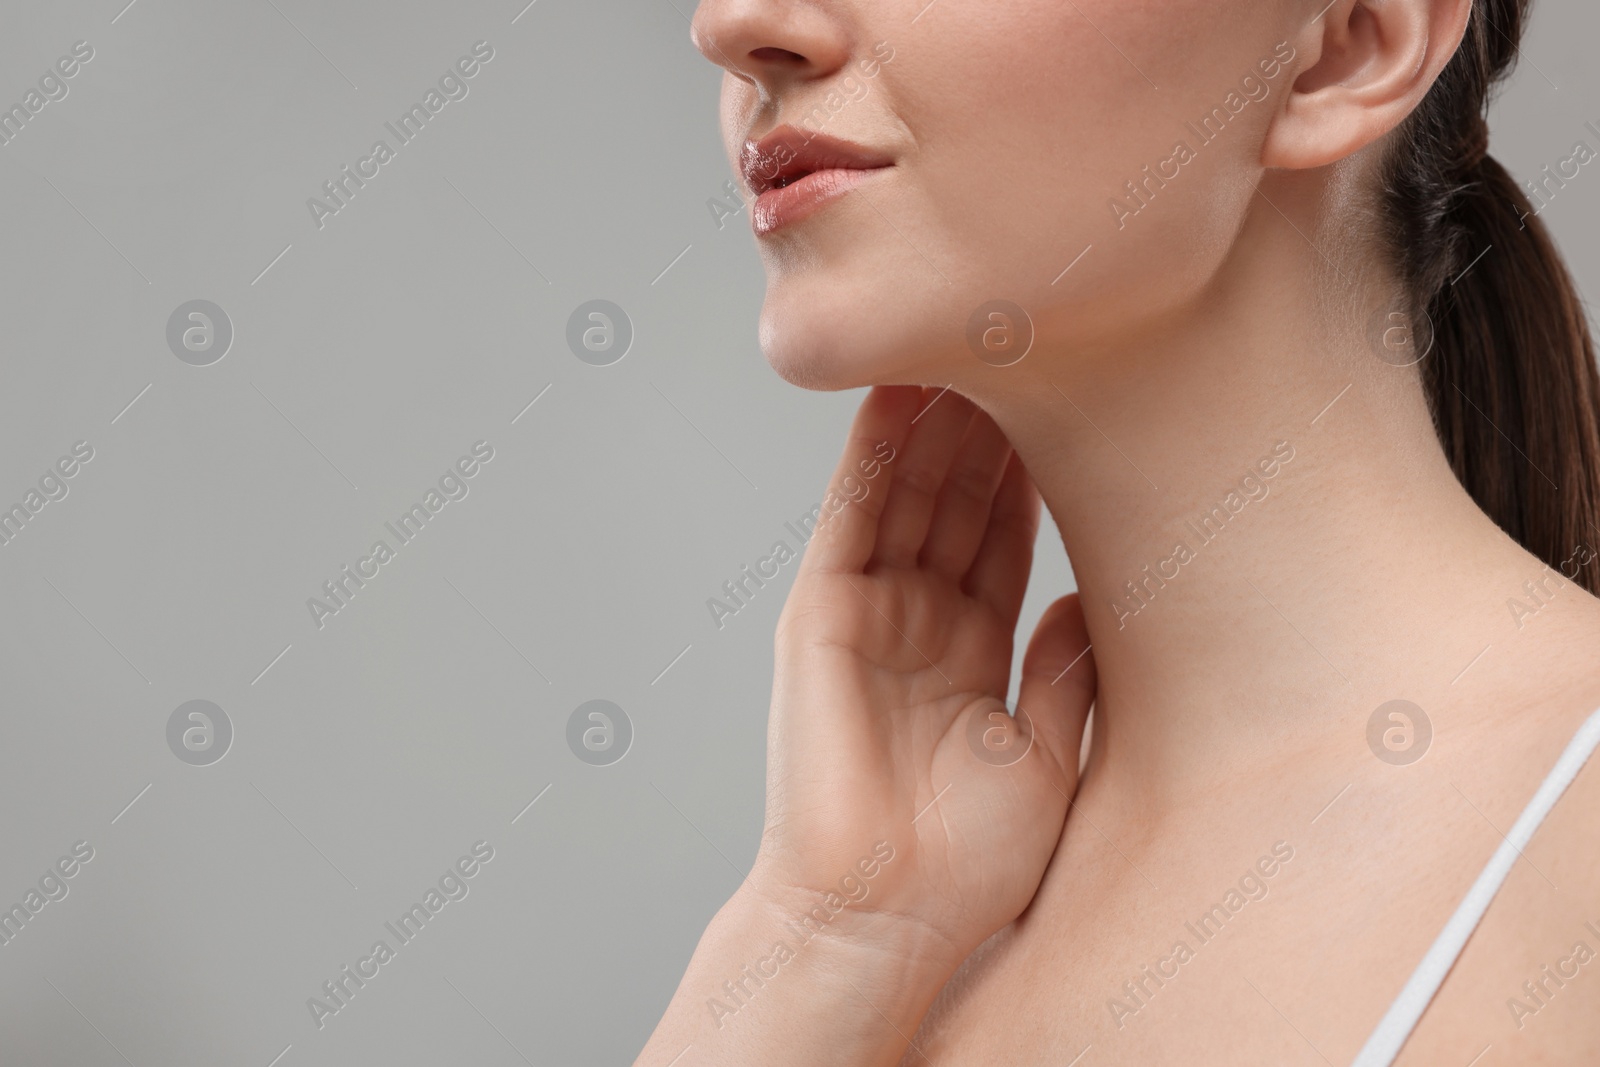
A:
(794, 174)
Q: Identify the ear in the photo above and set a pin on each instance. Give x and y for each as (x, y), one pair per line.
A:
(1367, 65)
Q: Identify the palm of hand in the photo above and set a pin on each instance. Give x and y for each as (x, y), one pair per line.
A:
(894, 657)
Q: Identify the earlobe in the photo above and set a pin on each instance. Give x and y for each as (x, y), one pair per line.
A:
(1367, 65)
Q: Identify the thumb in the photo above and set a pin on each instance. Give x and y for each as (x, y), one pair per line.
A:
(1058, 684)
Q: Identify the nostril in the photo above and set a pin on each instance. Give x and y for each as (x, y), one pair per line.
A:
(776, 55)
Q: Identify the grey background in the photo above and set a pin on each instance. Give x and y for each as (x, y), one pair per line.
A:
(427, 714)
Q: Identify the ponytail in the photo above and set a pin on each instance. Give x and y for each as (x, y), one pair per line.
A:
(1511, 377)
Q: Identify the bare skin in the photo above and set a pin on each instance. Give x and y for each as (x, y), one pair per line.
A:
(1231, 710)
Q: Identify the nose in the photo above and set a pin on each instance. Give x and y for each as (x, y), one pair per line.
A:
(771, 43)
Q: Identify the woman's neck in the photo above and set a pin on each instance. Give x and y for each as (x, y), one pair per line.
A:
(1267, 538)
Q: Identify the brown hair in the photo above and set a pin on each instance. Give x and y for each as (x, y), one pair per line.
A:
(1511, 376)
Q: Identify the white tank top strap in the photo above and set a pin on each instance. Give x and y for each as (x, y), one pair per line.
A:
(1401, 1018)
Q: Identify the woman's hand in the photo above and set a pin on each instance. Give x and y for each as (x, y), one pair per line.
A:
(888, 730)
(908, 817)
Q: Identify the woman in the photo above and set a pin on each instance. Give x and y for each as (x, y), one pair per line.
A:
(1306, 388)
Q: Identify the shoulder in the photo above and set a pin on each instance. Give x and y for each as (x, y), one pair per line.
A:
(1539, 971)
(1528, 982)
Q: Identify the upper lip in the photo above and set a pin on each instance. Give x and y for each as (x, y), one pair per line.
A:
(786, 154)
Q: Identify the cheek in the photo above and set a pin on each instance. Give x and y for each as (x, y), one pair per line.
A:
(1124, 175)
(1032, 159)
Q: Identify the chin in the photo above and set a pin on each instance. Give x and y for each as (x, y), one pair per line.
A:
(852, 335)
(813, 358)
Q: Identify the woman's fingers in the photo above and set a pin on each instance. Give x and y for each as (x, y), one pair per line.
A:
(999, 575)
(1058, 683)
(919, 473)
(847, 525)
(961, 514)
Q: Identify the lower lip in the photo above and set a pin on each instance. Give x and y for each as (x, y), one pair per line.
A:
(777, 208)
